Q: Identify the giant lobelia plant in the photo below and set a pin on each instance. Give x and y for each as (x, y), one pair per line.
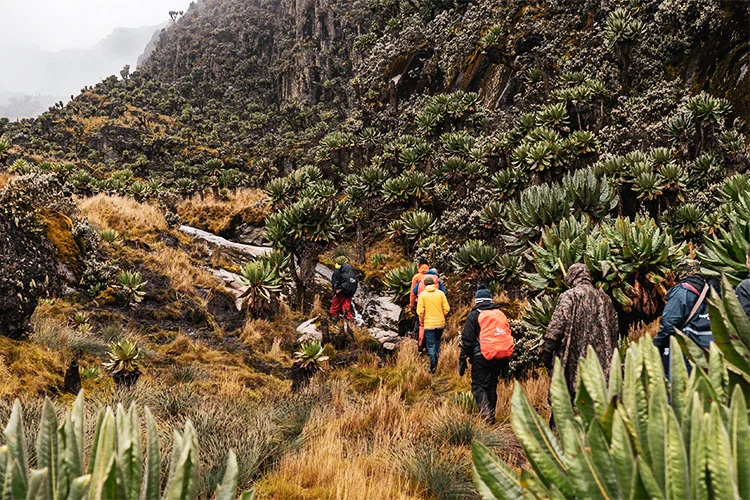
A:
(634, 437)
(115, 468)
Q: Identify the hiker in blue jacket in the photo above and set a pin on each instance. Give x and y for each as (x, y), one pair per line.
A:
(686, 310)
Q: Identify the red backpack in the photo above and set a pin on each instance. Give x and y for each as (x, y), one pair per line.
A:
(495, 339)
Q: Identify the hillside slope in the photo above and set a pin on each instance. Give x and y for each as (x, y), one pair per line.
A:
(503, 141)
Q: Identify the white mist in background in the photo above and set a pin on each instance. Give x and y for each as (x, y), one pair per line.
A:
(50, 50)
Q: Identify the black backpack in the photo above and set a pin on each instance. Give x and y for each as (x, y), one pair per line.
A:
(347, 282)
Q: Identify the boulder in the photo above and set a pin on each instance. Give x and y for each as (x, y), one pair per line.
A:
(309, 331)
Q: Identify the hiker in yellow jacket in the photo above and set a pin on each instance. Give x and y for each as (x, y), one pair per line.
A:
(432, 307)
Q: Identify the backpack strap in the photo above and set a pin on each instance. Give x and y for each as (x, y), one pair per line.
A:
(701, 298)
(688, 286)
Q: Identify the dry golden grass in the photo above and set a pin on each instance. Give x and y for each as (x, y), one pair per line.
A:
(124, 215)
(28, 369)
(643, 329)
(216, 215)
(5, 178)
(183, 274)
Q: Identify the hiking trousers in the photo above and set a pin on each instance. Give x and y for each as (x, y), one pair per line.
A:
(484, 378)
(341, 305)
(433, 337)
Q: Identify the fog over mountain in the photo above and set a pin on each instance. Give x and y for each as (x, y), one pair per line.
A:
(45, 77)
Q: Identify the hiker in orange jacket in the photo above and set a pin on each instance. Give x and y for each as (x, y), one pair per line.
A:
(421, 272)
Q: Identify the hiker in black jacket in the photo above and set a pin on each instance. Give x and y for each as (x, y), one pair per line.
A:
(344, 282)
(484, 372)
(743, 289)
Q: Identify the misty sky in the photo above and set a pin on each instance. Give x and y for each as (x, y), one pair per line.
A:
(60, 24)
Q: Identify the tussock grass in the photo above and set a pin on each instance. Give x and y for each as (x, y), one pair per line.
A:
(218, 216)
(124, 215)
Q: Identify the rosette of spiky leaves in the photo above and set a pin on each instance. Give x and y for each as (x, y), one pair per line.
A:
(122, 358)
(733, 142)
(733, 187)
(477, 260)
(588, 194)
(493, 36)
(132, 285)
(368, 184)
(305, 175)
(611, 166)
(633, 260)
(541, 156)
(509, 267)
(280, 261)
(506, 182)
(279, 190)
(321, 189)
(139, 191)
(680, 129)
(310, 356)
(706, 108)
(687, 220)
(335, 141)
(186, 186)
(457, 143)
(418, 224)
(536, 208)
(81, 180)
(4, 146)
(553, 116)
(674, 178)
(398, 282)
(22, 167)
(492, 215)
(313, 219)
(660, 156)
(407, 187)
(706, 169)
(621, 28)
(648, 186)
(263, 284)
(538, 313)
(561, 246)
(436, 249)
(572, 78)
(581, 142)
(725, 251)
(368, 136)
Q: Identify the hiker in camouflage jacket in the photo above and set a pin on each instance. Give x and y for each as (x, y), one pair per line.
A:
(584, 316)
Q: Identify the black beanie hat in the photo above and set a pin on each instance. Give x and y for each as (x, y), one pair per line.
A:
(483, 294)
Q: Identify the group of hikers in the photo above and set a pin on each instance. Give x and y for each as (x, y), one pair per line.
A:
(584, 316)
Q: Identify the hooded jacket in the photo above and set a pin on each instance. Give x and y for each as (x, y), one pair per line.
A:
(419, 287)
(432, 307)
(344, 281)
(584, 316)
(421, 271)
(470, 335)
(680, 301)
(743, 295)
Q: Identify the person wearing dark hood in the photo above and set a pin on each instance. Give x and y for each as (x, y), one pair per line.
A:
(584, 316)
(486, 343)
(344, 282)
(686, 310)
(743, 289)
